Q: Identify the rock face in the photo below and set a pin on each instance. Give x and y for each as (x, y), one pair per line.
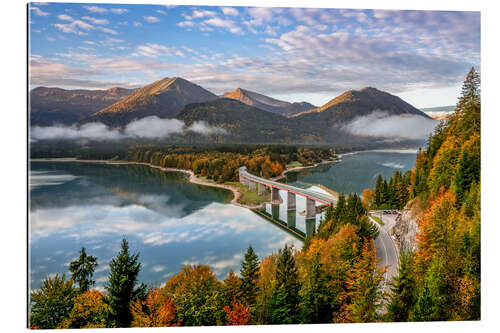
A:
(267, 103)
(406, 230)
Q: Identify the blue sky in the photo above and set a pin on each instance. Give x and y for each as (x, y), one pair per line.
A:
(293, 54)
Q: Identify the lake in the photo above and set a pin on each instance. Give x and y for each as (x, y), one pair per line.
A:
(165, 218)
(170, 221)
(356, 171)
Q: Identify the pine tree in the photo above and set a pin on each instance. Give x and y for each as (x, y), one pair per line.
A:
(402, 300)
(316, 298)
(249, 274)
(82, 270)
(122, 285)
(285, 299)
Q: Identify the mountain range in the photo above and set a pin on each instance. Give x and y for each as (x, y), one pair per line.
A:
(51, 106)
(242, 115)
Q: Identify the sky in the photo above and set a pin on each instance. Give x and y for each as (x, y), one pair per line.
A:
(293, 54)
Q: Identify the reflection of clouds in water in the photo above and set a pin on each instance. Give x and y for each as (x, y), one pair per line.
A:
(216, 235)
(48, 178)
(393, 165)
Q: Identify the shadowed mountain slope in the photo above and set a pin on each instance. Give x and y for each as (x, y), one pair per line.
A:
(50, 106)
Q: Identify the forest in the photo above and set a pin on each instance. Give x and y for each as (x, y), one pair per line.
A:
(334, 278)
(222, 165)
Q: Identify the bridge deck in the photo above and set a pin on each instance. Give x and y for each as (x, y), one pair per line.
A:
(313, 195)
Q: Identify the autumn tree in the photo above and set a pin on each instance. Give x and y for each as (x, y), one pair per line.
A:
(122, 286)
(52, 302)
(90, 310)
(156, 310)
(363, 292)
(82, 270)
(237, 313)
(197, 296)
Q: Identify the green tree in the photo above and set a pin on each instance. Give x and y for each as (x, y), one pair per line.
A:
(433, 297)
(122, 286)
(52, 302)
(403, 289)
(249, 274)
(82, 270)
(285, 299)
(316, 298)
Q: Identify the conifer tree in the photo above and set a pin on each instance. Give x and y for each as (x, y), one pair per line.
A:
(82, 270)
(122, 287)
(285, 299)
(249, 273)
(402, 300)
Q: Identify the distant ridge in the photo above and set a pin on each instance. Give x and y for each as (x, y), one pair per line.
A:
(163, 98)
(51, 106)
(267, 103)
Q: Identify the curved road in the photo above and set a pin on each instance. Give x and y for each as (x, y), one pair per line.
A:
(387, 252)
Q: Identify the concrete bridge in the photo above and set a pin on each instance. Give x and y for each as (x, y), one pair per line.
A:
(260, 184)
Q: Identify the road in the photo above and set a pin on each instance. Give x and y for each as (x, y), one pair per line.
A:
(387, 252)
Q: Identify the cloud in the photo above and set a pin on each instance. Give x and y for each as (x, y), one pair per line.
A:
(38, 11)
(102, 10)
(381, 124)
(155, 50)
(197, 14)
(93, 20)
(146, 128)
(221, 23)
(162, 12)
(229, 11)
(95, 9)
(151, 19)
(95, 131)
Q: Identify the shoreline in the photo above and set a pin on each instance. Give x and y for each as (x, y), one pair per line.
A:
(192, 177)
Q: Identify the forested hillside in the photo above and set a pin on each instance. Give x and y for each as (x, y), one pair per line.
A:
(441, 280)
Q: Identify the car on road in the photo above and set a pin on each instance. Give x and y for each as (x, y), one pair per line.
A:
(394, 212)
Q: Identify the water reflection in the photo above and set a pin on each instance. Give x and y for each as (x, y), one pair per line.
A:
(170, 221)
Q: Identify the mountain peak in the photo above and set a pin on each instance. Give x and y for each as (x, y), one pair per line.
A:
(267, 103)
(361, 102)
(163, 98)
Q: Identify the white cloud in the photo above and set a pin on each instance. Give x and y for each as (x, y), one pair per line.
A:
(230, 11)
(118, 10)
(221, 23)
(38, 11)
(185, 24)
(162, 12)
(151, 19)
(65, 17)
(95, 9)
(137, 24)
(94, 20)
(381, 124)
(197, 14)
(102, 10)
(149, 127)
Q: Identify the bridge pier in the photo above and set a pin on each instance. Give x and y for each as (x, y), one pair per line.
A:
(291, 219)
(261, 189)
(252, 185)
(291, 201)
(310, 226)
(275, 211)
(275, 194)
(310, 208)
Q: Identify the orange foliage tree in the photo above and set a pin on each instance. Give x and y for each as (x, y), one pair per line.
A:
(237, 313)
(157, 310)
